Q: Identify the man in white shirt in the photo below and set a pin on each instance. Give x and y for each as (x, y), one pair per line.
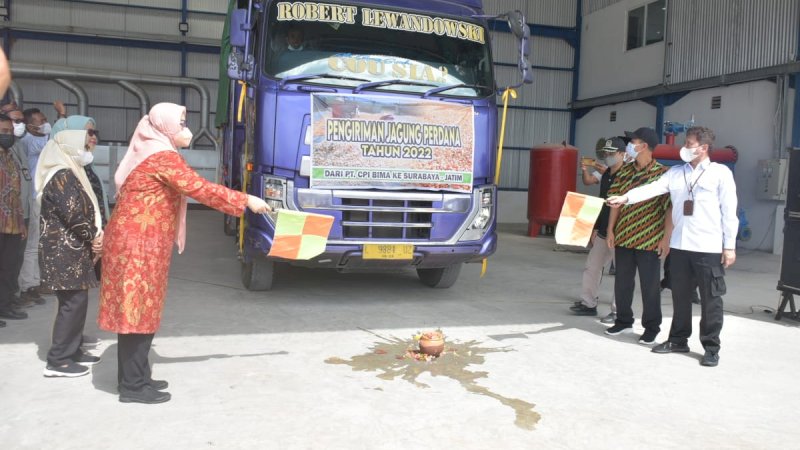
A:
(703, 240)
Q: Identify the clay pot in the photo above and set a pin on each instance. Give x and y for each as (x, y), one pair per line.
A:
(432, 347)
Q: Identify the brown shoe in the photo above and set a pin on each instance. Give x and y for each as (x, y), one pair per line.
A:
(33, 296)
(21, 303)
(41, 290)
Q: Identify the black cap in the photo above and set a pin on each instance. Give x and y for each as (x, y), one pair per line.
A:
(648, 135)
(614, 144)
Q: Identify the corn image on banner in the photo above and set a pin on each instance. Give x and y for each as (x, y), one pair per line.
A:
(300, 235)
(577, 219)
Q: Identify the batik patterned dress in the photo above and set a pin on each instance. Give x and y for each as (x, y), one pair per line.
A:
(137, 247)
(67, 229)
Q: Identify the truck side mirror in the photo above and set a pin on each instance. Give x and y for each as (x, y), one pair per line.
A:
(519, 28)
(240, 28)
(516, 21)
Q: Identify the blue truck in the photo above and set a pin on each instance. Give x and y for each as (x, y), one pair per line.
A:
(382, 114)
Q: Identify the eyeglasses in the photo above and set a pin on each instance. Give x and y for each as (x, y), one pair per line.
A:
(93, 133)
(183, 124)
(18, 120)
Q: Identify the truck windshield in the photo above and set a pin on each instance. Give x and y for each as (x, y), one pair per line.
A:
(306, 41)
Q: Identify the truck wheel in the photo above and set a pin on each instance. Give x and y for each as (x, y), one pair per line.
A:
(441, 278)
(257, 274)
(229, 225)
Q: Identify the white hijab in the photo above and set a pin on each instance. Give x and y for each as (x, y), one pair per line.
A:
(64, 151)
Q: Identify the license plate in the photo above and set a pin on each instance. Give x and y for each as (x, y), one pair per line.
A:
(388, 251)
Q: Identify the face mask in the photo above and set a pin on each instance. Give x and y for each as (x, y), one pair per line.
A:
(85, 158)
(185, 135)
(19, 129)
(6, 140)
(612, 160)
(688, 155)
(296, 49)
(45, 128)
(630, 150)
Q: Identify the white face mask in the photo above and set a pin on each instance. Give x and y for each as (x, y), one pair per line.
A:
(45, 128)
(185, 135)
(630, 150)
(19, 129)
(612, 160)
(85, 158)
(688, 154)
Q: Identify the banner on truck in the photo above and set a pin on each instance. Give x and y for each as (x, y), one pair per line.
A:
(384, 142)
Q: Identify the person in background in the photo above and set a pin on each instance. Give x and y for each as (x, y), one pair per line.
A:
(600, 255)
(295, 39)
(637, 234)
(26, 298)
(703, 241)
(89, 125)
(71, 240)
(12, 223)
(153, 182)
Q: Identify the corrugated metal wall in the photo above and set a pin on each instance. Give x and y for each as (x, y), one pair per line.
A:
(716, 37)
(590, 6)
(116, 111)
(528, 124)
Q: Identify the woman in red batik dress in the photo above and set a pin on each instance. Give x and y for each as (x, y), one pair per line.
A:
(153, 181)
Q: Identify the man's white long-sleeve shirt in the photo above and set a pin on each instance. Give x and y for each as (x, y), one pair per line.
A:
(713, 224)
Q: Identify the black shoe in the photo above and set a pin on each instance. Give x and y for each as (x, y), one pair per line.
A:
(612, 270)
(648, 337)
(695, 298)
(86, 359)
(2, 324)
(584, 311)
(145, 395)
(71, 370)
(13, 314)
(90, 342)
(669, 347)
(158, 385)
(710, 359)
(21, 303)
(619, 329)
(33, 296)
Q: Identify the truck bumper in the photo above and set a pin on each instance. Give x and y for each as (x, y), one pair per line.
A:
(258, 242)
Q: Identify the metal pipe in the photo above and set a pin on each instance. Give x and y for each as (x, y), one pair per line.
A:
(16, 94)
(48, 72)
(141, 94)
(83, 99)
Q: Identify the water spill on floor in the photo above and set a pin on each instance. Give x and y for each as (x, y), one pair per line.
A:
(391, 358)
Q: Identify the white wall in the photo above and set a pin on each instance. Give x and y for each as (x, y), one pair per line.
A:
(746, 121)
(606, 67)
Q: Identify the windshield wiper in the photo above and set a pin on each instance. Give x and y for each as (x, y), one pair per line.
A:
(439, 90)
(375, 84)
(299, 78)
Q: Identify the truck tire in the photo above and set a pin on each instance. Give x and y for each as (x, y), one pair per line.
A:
(229, 225)
(257, 274)
(441, 278)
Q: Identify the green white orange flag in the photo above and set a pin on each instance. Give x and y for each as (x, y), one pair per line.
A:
(300, 235)
(577, 219)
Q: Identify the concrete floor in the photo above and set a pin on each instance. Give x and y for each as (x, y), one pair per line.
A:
(249, 370)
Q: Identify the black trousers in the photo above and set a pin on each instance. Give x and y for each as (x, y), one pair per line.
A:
(646, 262)
(133, 364)
(9, 267)
(68, 326)
(706, 270)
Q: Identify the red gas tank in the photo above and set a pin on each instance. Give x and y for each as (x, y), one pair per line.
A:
(725, 155)
(553, 173)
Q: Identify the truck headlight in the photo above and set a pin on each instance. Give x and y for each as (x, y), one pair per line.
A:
(483, 218)
(274, 194)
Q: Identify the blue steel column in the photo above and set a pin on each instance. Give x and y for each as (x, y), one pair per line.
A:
(576, 65)
(660, 103)
(184, 52)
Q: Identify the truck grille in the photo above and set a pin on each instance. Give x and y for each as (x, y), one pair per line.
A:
(386, 219)
(380, 216)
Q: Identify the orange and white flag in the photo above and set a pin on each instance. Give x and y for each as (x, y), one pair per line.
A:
(577, 219)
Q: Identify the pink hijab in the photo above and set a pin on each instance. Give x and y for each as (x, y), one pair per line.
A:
(154, 134)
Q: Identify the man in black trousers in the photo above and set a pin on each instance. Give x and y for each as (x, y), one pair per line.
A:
(703, 241)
